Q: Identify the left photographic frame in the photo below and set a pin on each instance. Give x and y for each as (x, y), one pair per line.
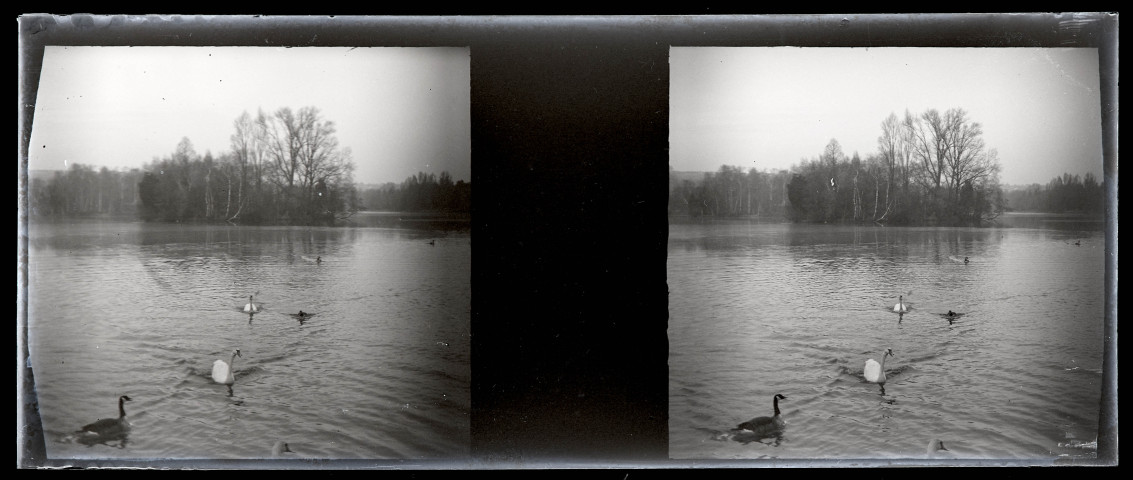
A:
(306, 207)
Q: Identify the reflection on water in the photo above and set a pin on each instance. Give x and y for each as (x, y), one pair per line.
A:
(419, 221)
(1047, 221)
(381, 371)
(758, 309)
(118, 439)
(745, 437)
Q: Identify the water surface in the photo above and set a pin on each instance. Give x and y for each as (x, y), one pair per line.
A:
(380, 371)
(759, 309)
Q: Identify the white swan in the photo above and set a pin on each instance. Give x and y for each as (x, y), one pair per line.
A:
(251, 307)
(875, 372)
(934, 446)
(765, 425)
(110, 428)
(900, 307)
(280, 448)
(222, 372)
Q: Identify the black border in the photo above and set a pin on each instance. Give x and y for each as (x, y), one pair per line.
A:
(570, 154)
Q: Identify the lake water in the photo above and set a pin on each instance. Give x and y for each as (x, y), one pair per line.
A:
(761, 309)
(381, 369)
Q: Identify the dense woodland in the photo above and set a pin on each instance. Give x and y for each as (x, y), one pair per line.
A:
(1065, 194)
(929, 169)
(421, 193)
(286, 168)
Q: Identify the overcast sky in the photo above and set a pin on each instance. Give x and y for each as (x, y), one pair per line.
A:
(770, 107)
(399, 110)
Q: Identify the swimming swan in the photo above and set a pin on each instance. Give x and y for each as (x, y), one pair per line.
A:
(933, 446)
(900, 307)
(110, 427)
(875, 372)
(251, 307)
(222, 372)
(765, 425)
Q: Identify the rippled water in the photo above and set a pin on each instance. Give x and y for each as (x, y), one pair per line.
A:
(380, 371)
(760, 309)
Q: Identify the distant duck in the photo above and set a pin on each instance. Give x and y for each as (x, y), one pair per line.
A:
(935, 445)
(302, 314)
(1078, 242)
(432, 242)
(109, 428)
(900, 307)
(280, 448)
(965, 260)
(765, 425)
(319, 259)
(875, 372)
(951, 313)
(251, 307)
(222, 372)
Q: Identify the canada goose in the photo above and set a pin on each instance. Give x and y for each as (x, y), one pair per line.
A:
(765, 425)
(110, 427)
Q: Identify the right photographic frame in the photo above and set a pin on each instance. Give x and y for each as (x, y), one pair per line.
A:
(895, 254)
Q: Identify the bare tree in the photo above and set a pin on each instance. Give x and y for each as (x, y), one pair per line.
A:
(321, 161)
(891, 148)
(247, 145)
(832, 154)
(304, 157)
(967, 159)
(926, 134)
(855, 170)
(281, 135)
(908, 140)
